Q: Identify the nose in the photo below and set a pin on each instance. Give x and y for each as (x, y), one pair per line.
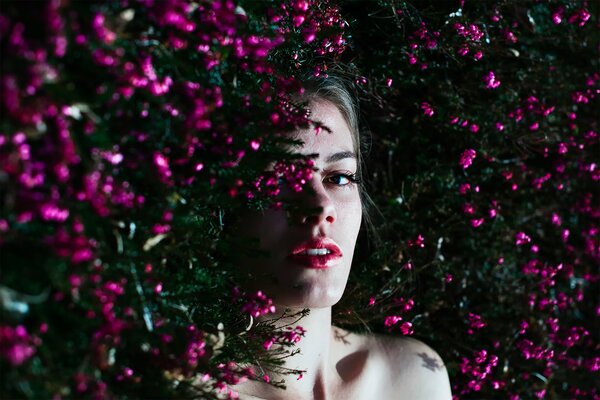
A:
(315, 206)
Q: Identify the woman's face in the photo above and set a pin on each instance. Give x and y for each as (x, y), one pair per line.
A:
(330, 215)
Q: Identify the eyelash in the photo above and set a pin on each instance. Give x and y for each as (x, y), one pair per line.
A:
(354, 180)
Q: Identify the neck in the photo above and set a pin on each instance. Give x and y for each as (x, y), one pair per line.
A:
(313, 356)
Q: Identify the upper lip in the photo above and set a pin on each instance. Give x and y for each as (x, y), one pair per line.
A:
(318, 243)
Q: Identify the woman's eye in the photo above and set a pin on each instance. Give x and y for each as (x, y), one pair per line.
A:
(342, 179)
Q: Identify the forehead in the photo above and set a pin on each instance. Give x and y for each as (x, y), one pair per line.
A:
(338, 138)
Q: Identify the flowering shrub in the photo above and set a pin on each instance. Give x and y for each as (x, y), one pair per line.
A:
(483, 168)
(125, 125)
(129, 127)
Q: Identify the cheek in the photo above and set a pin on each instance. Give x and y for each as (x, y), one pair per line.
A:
(350, 216)
(266, 227)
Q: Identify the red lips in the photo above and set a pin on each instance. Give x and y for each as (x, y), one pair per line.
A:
(316, 261)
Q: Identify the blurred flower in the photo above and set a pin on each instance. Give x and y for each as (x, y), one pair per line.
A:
(466, 158)
(490, 80)
(17, 345)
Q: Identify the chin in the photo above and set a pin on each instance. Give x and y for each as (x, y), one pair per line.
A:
(308, 295)
(295, 287)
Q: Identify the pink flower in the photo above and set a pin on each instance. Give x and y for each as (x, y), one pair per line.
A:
(405, 304)
(162, 164)
(464, 188)
(556, 220)
(16, 345)
(406, 328)
(510, 36)
(269, 343)
(51, 212)
(557, 16)
(258, 304)
(490, 80)
(391, 320)
(418, 242)
(466, 158)
(562, 148)
(477, 222)
(285, 337)
(521, 238)
(475, 322)
(468, 208)
(427, 109)
(580, 17)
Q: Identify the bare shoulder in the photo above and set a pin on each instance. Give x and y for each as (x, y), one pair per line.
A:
(416, 370)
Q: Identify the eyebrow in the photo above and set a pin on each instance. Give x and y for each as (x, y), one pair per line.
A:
(340, 156)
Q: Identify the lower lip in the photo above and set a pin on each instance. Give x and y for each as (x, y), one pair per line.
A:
(317, 262)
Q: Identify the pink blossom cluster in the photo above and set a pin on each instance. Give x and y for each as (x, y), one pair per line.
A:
(533, 112)
(406, 327)
(38, 170)
(522, 238)
(307, 19)
(466, 158)
(477, 219)
(17, 345)
(470, 31)
(427, 109)
(490, 80)
(211, 27)
(419, 241)
(107, 294)
(288, 336)
(464, 123)
(226, 375)
(475, 323)
(255, 304)
(232, 374)
(509, 36)
(71, 243)
(421, 41)
(546, 273)
(472, 35)
(530, 350)
(402, 307)
(405, 305)
(295, 175)
(104, 193)
(578, 17)
(284, 175)
(479, 369)
(567, 337)
(196, 346)
(145, 77)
